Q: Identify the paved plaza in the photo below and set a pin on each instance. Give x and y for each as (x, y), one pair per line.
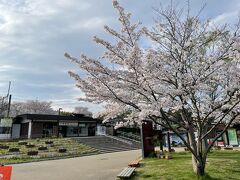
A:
(95, 167)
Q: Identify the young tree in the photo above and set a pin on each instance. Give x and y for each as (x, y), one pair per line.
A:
(82, 110)
(191, 69)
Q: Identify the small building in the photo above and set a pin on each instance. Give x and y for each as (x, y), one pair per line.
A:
(43, 125)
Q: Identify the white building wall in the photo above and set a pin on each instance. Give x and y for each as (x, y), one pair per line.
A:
(5, 136)
(101, 130)
(16, 131)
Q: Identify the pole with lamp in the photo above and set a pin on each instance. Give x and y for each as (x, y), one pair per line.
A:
(59, 113)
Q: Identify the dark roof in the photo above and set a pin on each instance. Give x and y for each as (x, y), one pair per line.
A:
(43, 117)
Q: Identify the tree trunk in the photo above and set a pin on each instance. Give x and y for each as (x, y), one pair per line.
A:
(204, 141)
(198, 166)
(198, 161)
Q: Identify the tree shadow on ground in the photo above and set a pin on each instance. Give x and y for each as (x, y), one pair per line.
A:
(208, 177)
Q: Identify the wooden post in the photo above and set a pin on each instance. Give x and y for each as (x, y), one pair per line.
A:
(161, 141)
(59, 113)
(58, 128)
(169, 142)
(147, 138)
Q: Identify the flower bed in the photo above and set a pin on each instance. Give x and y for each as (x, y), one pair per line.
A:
(42, 149)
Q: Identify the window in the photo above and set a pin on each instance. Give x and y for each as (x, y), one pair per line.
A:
(72, 131)
(5, 130)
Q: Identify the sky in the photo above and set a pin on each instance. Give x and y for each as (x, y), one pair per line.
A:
(35, 34)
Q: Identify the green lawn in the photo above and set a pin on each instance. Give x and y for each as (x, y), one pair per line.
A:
(221, 165)
(72, 146)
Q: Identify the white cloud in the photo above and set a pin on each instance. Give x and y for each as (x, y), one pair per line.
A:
(92, 23)
(50, 85)
(225, 18)
(5, 68)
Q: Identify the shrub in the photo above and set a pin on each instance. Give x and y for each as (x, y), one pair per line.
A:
(172, 150)
(62, 150)
(22, 143)
(217, 147)
(151, 155)
(14, 149)
(2, 146)
(41, 148)
(48, 142)
(162, 156)
(32, 153)
(159, 154)
(30, 145)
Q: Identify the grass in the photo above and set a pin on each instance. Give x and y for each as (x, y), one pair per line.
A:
(221, 165)
(74, 148)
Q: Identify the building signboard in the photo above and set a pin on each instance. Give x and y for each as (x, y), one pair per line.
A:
(68, 124)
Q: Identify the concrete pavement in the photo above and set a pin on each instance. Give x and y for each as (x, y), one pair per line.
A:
(95, 167)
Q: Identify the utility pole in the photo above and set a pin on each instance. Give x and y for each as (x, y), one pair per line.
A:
(9, 105)
(9, 99)
(9, 88)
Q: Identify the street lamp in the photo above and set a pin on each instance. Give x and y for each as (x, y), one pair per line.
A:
(59, 113)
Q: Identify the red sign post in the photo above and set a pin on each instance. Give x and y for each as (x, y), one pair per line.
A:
(147, 138)
(5, 172)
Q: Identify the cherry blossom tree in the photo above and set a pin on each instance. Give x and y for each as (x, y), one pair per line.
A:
(3, 105)
(32, 107)
(4, 102)
(191, 68)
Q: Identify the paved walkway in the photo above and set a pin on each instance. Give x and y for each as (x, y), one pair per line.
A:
(95, 167)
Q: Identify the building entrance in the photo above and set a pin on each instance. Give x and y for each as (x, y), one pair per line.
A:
(91, 131)
(63, 131)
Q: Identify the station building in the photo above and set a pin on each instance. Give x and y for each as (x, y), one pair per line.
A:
(42, 125)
